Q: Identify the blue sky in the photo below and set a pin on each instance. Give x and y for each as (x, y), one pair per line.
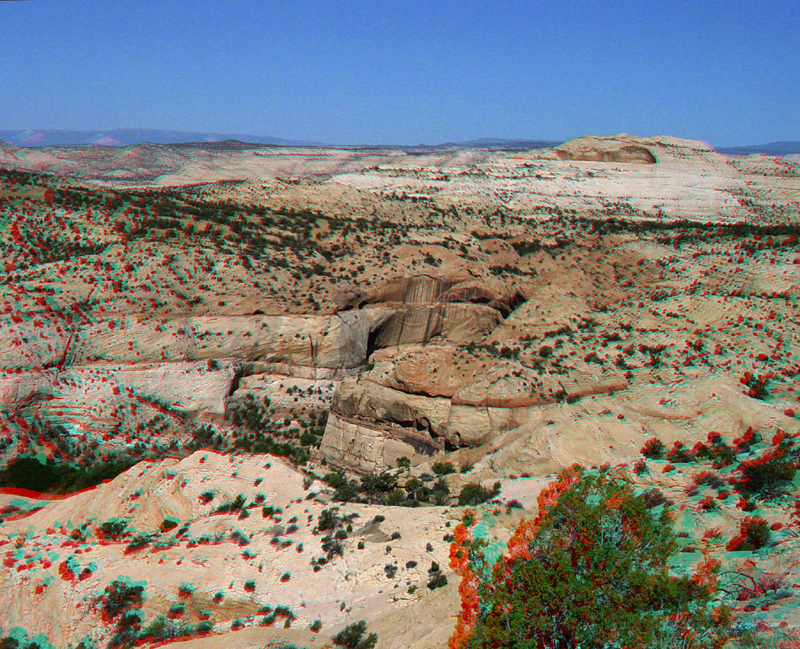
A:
(723, 71)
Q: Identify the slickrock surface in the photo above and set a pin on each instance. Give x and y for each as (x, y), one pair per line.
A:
(261, 335)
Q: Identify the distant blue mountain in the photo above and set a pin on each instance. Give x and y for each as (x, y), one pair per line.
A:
(124, 136)
(772, 148)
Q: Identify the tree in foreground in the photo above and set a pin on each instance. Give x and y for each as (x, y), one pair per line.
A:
(591, 572)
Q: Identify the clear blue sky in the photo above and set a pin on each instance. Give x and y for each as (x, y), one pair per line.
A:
(382, 71)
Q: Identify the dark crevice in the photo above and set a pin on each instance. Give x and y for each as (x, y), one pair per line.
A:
(237, 379)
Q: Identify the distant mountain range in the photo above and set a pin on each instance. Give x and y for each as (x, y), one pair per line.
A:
(772, 148)
(126, 136)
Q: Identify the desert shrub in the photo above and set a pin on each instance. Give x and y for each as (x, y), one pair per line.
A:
(376, 485)
(475, 494)
(756, 386)
(352, 637)
(653, 448)
(177, 609)
(168, 524)
(332, 547)
(719, 452)
(754, 533)
(118, 597)
(708, 504)
(416, 492)
(679, 453)
(394, 498)
(346, 490)
(232, 507)
(205, 626)
(138, 542)
(437, 581)
(594, 546)
(443, 468)
(708, 479)
(335, 479)
(750, 437)
(113, 529)
(654, 497)
(50, 477)
(329, 519)
(440, 492)
(768, 475)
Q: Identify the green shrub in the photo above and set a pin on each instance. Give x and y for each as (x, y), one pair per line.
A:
(233, 507)
(329, 519)
(119, 597)
(768, 475)
(756, 386)
(679, 453)
(597, 548)
(352, 637)
(653, 448)
(475, 494)
(754, 533)
(138, 542)
(443, 468)
(204, 627)
(49, 477)
(113, 529)
(168, 524)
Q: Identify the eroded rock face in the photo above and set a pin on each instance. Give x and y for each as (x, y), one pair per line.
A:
(441, 421)
(613, 431)
(372, 449)
(619, 148)
(422, 324)
(337, 341)
(93, 392)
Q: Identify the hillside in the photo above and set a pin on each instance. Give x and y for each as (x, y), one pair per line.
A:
(276, 352)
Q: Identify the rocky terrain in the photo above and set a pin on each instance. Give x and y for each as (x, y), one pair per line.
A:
(298, 365)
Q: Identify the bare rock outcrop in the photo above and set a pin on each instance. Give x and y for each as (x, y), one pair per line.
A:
(421, 324)
(614, 429)
(336, 341)
(91, 393)
(371, 448)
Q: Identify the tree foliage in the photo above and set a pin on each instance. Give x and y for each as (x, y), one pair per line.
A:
(595, 548)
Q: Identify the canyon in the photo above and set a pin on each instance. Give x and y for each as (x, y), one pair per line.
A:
(255, 332)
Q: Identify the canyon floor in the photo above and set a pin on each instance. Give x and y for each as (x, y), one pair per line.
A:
(297, 368)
